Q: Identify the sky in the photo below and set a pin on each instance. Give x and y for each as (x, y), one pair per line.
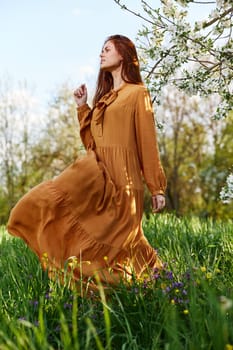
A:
(48, 42)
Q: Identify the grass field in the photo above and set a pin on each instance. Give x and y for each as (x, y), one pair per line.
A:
(188, 305)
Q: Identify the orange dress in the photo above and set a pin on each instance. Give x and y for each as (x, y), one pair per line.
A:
(91, 214)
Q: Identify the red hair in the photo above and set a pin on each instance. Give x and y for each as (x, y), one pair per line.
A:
(130, 66)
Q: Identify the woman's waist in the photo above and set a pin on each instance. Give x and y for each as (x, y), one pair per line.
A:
(122, 165)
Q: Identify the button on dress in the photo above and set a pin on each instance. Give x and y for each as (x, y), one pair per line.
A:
(89, 218)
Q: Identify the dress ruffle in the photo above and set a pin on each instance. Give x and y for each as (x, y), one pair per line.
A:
(75, 215)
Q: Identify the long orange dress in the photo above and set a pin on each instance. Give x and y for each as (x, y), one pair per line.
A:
(91, 214)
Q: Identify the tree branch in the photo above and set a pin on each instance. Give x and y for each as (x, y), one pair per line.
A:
(124, 7)
(207, 24)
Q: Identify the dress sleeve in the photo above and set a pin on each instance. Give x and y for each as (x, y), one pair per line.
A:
(147, 145)
(84, 117)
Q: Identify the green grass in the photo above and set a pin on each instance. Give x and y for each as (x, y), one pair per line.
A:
(186, 306)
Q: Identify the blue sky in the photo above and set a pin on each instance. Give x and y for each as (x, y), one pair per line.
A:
(47, 42)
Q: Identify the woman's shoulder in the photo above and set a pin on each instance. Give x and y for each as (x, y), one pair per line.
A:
(136, 88)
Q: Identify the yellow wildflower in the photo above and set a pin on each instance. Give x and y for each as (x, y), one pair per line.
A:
(45, 260)
(73, 262)
(203, 268)
(186, 312)
(229, 347)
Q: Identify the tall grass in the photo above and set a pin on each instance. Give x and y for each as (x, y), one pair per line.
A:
(188, 305)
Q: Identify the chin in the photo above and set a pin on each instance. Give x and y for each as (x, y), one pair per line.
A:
(105, 68)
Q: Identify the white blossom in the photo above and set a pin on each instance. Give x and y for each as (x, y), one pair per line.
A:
(226, 193)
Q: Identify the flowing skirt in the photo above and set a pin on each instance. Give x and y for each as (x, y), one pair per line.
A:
(82, 220)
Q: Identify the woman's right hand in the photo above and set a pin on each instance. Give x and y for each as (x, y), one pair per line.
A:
(80, 95)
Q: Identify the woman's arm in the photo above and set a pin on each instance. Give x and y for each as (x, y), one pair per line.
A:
(147, 146)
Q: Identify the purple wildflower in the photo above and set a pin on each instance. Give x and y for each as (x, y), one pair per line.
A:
(156, 276)
(169, 275)
(177, 284)
(35, 303)
(47, 296)
(68, 306)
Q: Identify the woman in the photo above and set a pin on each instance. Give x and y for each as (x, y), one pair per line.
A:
(90, 215)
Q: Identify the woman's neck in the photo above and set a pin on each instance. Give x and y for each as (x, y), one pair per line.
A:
(117, 79)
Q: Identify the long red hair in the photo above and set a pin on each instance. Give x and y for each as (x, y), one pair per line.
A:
(130, 67)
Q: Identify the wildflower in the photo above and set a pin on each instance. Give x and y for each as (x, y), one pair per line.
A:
(34, 303)
(186, 312)
(145, 276)
(177, 284)
(105, 258)
(47, 296)
(203, 269)
(156, 276)
(229, 347)
(163, 286)
(44, 260)
(145, 284)
(209, 275)
(156, 270)
(169, 275)
(68, 306)
(72, 261)
(173, 302)
(180, 301)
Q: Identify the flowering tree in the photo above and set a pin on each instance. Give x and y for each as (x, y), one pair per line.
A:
(196, 57)
(227, 192)
(33, 146)
(18, 129)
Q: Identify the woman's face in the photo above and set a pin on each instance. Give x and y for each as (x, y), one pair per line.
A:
(110, 59)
